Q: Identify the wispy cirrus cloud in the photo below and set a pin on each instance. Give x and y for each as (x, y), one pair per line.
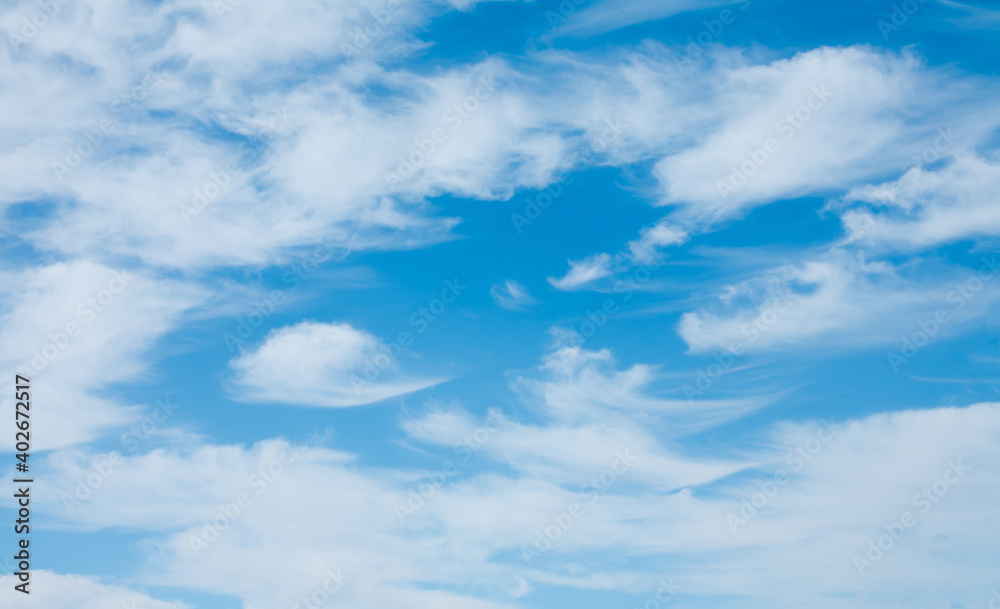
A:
(584, 272)
(607, 16)
(512, 295)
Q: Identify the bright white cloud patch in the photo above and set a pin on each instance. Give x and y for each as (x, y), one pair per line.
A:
(835, 299)
(663, 234)
(583, 272)
(316, 364)
(75, 329)
(816, 121)
(56, 591)
(925, 208)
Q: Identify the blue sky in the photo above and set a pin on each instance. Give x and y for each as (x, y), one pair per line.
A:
(497, 305)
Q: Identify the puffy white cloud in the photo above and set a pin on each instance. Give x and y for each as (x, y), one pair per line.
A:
(820, 120)
(203, 178)
(329, 365)
(76, 328)
(926, 208)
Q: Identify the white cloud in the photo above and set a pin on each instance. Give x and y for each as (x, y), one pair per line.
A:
(662, 234)
(512, 295)
(816, 121)
(61, 591)
(926, 208)
(592, 413)
(167, 495)
(298, 136)
(337, 515)
(583, 272)
(578, 384)
(838, 298)
(520, 126)
(473, 529)
(75, 329)
(976, 18)
(317, 364)
(612, 15)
